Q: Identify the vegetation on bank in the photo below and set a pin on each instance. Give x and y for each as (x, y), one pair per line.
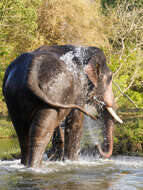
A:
(6, 128)
(128, 137)
(9, 149)
(115, 26)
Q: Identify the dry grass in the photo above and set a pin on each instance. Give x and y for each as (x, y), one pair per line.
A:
(71, 22)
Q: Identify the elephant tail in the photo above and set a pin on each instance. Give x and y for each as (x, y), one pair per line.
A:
(34, 87)
(71, 106)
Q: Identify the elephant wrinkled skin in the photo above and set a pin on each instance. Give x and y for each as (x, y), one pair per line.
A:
(49, 85)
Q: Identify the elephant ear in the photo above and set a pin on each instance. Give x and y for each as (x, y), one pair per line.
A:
(92, 69)
(96, 66)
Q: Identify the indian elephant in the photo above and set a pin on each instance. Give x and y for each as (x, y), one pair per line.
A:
(44, 87)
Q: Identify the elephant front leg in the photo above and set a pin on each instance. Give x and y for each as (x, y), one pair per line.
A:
(73, 134)
(40, 133)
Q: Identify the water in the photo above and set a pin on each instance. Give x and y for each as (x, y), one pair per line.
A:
(117, 173)
(93, 131)
(77, 73)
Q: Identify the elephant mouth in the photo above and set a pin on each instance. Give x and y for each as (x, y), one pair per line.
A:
(109, 109)
(113, 114)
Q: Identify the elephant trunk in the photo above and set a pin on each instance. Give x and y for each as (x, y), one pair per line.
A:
(110, 131)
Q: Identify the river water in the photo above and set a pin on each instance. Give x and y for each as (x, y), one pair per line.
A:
(88, 173)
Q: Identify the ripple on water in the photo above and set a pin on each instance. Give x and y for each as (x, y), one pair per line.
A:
(83, 162)
(117, 173)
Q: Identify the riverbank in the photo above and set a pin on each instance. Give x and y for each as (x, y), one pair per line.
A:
(9, 146)
(9, 149)
(6, 128)
(128, 137)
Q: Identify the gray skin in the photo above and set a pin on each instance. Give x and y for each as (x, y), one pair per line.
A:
(43, 88)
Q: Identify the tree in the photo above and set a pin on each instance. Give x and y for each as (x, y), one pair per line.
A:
(125, 33)
(18, 23)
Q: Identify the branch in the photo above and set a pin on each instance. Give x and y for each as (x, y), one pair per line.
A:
(125, 94)
(122, 52)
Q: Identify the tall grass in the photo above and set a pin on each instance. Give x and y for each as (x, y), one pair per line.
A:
(72, 22)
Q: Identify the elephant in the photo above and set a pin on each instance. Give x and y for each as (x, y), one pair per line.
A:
(52, 84)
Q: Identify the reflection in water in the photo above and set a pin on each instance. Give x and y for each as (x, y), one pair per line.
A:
(88, 173)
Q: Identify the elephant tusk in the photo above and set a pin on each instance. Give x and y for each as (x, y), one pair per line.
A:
(114, 115)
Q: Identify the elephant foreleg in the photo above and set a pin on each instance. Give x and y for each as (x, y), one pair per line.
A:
(42, 127)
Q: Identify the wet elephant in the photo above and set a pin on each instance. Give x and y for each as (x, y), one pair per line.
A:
(49, 85)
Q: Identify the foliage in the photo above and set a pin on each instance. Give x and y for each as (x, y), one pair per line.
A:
(129, 138)
(9, 148)
(125, 34)
(18, 24)
(6, 128)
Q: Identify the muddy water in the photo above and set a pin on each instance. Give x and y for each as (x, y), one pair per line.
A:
(118, 173)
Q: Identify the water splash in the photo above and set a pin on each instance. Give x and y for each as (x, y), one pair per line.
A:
(68, 165)
(81, 54)
(76, 68)
(86, 173)
(68, 59)
(92, 135)
(92, 128)
(71, 66)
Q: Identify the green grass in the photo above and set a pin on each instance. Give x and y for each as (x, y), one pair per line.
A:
(9, 148)
(6, 128)
(11, 154)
